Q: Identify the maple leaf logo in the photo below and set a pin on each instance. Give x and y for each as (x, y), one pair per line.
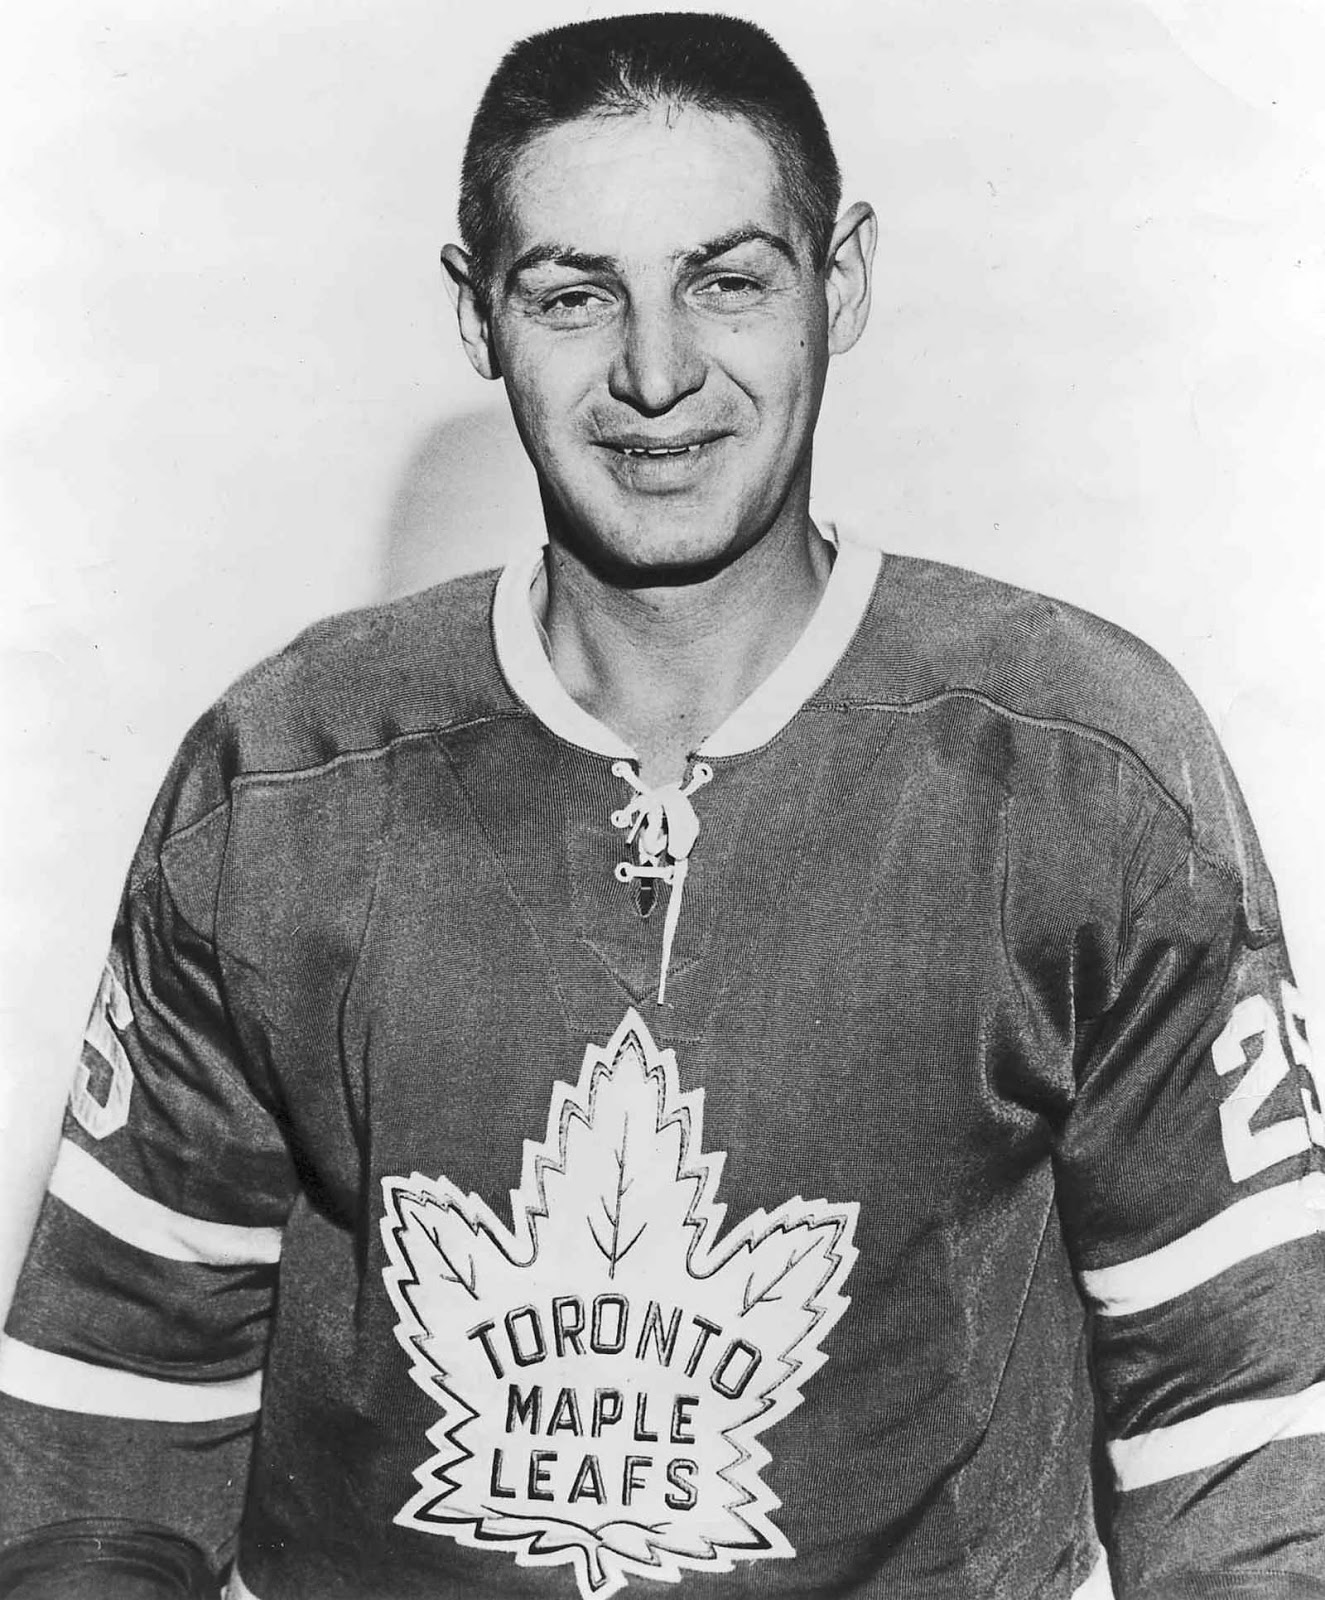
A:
(604, 1368)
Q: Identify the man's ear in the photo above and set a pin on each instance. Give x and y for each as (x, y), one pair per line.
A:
(471, 311)
(848, 274)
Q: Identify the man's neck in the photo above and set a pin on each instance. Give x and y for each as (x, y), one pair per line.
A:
(664, 667)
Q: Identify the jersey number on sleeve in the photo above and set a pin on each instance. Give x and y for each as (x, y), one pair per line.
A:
(104, 1079)
(1251, 1150)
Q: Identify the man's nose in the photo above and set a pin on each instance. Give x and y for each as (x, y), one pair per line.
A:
(658, 361)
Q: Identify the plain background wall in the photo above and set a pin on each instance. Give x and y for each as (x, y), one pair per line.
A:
(231, 397)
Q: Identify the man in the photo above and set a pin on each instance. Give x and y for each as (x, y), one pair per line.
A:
(863, 978)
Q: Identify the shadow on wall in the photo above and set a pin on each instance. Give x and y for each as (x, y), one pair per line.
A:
(468, 500)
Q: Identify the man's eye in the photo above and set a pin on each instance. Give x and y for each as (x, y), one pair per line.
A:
(571, 305)
(730, 286)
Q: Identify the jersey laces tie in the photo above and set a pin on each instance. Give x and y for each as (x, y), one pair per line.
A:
(662, 825)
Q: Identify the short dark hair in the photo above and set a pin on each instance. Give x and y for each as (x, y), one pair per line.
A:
(619, 65)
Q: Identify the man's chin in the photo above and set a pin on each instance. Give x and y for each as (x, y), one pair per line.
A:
(652, 554)
(675, 570)
(662, 567)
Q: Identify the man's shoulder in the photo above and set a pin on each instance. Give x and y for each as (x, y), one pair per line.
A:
(937, 632)
(348, 686)
(361, 679)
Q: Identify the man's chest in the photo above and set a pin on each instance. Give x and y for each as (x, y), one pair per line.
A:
(875, 954)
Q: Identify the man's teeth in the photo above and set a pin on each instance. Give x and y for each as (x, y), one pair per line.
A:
(675, 450)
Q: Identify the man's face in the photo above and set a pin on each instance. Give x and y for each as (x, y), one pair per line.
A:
(664, 333)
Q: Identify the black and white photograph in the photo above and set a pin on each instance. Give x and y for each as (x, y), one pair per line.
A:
(664, 724)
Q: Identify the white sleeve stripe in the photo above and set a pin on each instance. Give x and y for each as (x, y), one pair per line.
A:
(44, 1379)
(1220, 1434)
(1247, 1228)
(90, 1189)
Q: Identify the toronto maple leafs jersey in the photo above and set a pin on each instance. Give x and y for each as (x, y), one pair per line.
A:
(404, 1243)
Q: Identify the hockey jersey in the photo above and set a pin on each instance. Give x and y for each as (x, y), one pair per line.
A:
(486, 1176)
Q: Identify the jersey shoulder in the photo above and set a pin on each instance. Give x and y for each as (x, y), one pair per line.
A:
(348, 685)
(936, 630)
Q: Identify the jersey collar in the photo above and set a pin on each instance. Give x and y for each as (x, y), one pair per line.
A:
(759, 717)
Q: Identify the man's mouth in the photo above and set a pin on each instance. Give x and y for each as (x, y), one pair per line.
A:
(641, 446)
(644, 464)
(660, 450)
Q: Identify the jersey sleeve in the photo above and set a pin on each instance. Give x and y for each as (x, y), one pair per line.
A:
(131, 1362)
(1192, 1191)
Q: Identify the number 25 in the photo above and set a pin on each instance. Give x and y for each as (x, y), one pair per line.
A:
(104, 1116)
(1247, 1150)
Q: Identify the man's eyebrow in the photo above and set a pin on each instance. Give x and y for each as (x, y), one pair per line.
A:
(562, 255)
(738, 236)
(557, 255)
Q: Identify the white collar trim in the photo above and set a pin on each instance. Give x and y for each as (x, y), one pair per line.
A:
(760, 716)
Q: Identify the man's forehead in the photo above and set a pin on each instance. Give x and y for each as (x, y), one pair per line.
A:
(654, 183)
